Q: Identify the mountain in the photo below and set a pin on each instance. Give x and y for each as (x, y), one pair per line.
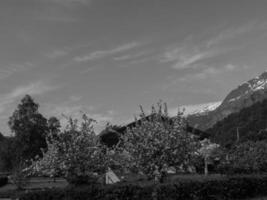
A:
(248, 124)
(201, 109)
(245, 95)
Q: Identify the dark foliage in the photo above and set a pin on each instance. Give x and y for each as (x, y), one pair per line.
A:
(3, 181)
(82, 180)
(30, 128)
(251, 123)
(8, 154)
(245, 158)
(226, 188)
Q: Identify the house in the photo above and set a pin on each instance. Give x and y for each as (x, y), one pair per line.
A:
(110, 136)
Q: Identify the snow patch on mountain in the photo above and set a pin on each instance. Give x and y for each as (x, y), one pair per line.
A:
(234, 99)
(254, 85)
(201, 108)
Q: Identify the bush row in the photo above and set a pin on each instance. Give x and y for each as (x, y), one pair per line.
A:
(228, 188)
(3, 180)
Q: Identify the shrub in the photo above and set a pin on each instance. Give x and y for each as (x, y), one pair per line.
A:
(237, 187)
(82, 180)
(3, 181)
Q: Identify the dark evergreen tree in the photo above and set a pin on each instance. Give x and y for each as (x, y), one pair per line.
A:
(30, 128)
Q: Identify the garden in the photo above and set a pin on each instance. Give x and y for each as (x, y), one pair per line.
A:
(155, 159)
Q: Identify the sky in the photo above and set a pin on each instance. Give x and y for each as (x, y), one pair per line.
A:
(107, 57)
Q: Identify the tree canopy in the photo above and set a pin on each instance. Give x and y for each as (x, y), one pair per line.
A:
(76, 153)
(155, 143)
(30, 129)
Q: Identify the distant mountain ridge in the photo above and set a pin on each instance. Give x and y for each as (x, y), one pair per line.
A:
(245, 95)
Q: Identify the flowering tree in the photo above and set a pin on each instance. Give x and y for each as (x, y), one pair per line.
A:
(157, 142)
(75, 153)
(206, 151)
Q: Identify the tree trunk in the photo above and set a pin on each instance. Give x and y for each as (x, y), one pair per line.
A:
(206, 171)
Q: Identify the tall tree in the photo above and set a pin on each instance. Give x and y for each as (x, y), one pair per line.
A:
(30, 128)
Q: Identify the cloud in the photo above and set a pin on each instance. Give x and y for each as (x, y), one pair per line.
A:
(186, 57)
(11, 69)
(36, 88)
(208, 72)
(66, 50)
(57, 53)
(231, 33)
(201, 75)
(8, 100)
(103, 53)
(190, 53)
(128, 57)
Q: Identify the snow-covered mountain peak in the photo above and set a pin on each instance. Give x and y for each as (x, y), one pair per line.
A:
(247, 88)
(245, 95)
(200, 109)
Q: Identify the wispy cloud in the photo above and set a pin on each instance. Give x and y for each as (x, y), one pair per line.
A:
(204, 73)
(35, 88)
(57, 53)
(66, 50)
(103, 53)
(188, 53)
(232, 33)
(11, 69)
(209, 72)
(185, 57)
(128, 57)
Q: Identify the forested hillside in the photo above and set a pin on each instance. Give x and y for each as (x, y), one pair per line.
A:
(248, 124)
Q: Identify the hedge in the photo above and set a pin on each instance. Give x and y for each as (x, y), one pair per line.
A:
(228, 188)
(3, 180)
